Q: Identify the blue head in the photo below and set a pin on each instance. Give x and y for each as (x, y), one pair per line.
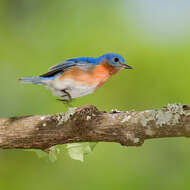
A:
(115, 60)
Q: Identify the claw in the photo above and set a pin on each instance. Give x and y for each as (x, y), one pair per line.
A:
(66, 98)
(66, 102)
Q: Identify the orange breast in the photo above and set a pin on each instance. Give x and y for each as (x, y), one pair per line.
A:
(103, 72)
(95, 76)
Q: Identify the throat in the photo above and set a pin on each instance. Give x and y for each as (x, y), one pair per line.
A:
(102, 73)
(105, 70)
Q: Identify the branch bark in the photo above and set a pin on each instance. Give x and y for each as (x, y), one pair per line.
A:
(88, 124)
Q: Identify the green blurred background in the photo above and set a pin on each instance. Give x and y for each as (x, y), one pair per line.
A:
(154, 38)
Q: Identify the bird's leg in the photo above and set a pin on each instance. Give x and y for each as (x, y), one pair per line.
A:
(68, 95)
(66, 101)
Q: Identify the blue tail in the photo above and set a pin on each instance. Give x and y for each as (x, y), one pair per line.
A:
(32, 80)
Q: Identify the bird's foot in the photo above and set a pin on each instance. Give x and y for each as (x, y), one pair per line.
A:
(66, 102)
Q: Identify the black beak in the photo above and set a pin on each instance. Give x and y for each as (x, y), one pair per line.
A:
(126, 66)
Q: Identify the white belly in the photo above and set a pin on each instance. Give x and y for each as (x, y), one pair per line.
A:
(75, 89)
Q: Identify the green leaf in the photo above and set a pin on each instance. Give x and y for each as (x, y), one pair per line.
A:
(38, 152)
(54, 151)
(78, 150)
(41, 154)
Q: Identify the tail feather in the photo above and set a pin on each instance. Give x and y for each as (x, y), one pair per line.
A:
(32, 80)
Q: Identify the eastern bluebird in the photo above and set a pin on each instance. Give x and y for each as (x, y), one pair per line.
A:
(79, 76)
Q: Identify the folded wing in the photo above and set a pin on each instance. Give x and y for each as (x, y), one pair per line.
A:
(82, 62)
(59, 68)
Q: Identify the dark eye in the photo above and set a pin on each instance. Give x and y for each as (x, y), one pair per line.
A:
(116, 59)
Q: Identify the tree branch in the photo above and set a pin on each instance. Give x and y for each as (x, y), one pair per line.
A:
(88, 124)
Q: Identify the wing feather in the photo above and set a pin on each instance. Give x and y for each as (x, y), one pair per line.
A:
(59, 68)
(81, 62)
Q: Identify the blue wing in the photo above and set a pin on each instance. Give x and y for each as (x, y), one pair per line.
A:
(82, 62)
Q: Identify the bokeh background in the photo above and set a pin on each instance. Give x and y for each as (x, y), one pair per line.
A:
(154, 38)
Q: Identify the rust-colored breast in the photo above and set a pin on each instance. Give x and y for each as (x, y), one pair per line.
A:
(103, 72)
(105, 68)
(77, 74)
(95, 76)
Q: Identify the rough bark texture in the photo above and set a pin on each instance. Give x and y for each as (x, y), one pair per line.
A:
(88, 124)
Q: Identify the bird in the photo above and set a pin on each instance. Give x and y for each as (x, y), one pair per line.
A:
(79, 76)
